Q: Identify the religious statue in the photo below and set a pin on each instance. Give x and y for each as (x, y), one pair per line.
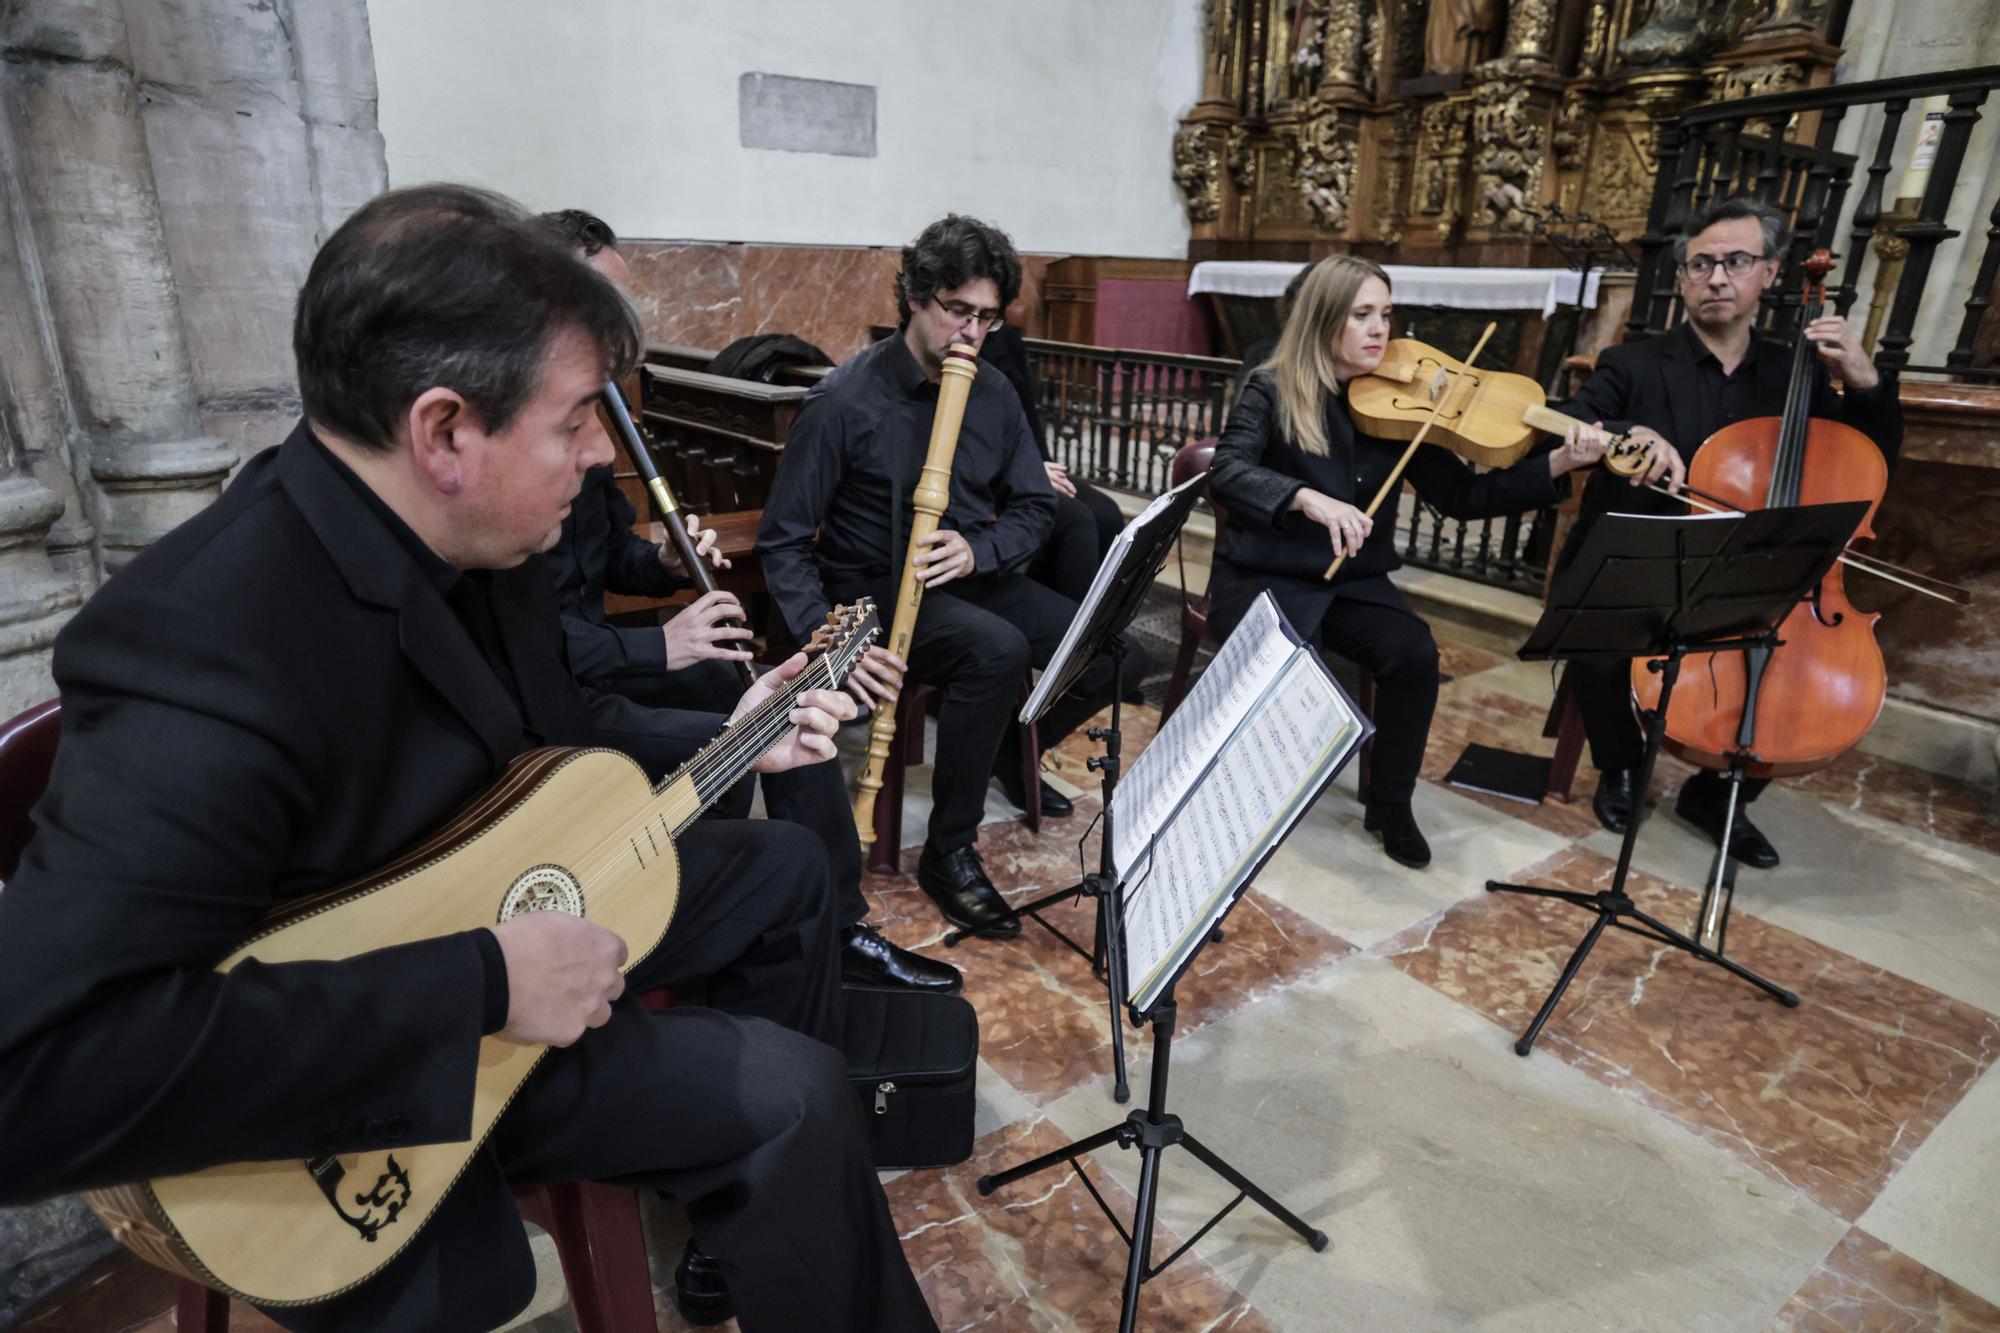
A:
(1678, 33)
(1455, 34)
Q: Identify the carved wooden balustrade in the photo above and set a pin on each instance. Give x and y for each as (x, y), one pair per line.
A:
(1714, 151)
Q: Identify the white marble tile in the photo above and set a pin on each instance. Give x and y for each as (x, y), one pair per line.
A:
(1462, 1187)
(1924, 908)
(1940, 1208)
(1333, 871)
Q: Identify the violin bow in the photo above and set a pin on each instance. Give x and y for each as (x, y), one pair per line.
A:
(1396, 477)
(1868, 564)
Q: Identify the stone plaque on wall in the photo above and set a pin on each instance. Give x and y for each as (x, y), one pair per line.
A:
(805, 115)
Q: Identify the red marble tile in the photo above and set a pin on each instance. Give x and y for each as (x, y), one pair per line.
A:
(1039, 1253)
(1867, 1286)
(688, 292)
(1466, 715)
(1928, 804)
(1458, 659)
(828, 295)
(1829, 1098)
(1043, 1016)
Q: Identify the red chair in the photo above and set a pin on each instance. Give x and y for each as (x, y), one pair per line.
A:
(596, 1228)
(885, 856)
(1192, 460)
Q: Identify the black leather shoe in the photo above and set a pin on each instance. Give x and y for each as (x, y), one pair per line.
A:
(1055, 805)
(957, 883)
(700, 1292)
(1613, 802)
(866, 959)
(1703, 810)
(1397, 827)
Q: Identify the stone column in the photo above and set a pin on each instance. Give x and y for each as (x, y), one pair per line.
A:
(87, 183)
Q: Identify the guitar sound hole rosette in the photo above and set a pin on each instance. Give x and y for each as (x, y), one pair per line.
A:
(545, 888)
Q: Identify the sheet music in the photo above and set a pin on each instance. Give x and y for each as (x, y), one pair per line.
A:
(1088, 608)
(1300, 731)
(1231, 686)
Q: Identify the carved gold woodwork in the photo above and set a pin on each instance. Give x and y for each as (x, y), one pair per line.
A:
(1198, 171)
(1321, 128)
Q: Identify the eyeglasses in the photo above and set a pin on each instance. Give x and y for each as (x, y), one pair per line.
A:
(961, 312)
(1736, 263)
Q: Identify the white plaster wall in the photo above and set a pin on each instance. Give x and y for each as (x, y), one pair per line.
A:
(1051, 118)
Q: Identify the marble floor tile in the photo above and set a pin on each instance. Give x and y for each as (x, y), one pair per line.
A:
(1462, 1187)
(1468, 712)
(1044, 1017)
(1830, 1098)
(1459, 659)
(1039, 1254)
(1922, 907)
(1332, 870)
(1940, 1208)
(1866, 1286)
(1928, 804)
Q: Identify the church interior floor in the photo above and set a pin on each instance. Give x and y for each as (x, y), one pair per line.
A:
(1678, 1153)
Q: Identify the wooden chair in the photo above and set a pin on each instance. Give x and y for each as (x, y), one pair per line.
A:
(1192, 460)
(596, 1227)
(915, 703)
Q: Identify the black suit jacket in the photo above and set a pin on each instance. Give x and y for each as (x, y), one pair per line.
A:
(600, 552)
(1656, 383)
(1258, 468)
(272, 699)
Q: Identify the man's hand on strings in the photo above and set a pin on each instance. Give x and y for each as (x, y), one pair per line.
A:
(876, 677)
(942, 557)
(704, 540)
(1835, 341)
(1346, 525)
(696, 633)
(815, 716)
(562, 975)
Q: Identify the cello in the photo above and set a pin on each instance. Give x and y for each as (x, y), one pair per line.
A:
(1797, 706)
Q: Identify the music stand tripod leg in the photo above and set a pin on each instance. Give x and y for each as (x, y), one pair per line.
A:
(1153, 1130)
(1106, 954)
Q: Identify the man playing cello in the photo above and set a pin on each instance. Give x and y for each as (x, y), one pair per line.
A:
(1682, 386)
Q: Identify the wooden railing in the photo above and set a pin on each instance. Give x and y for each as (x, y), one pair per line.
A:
(1726, 148)
(1115, 417)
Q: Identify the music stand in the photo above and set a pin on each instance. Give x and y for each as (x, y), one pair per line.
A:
(1115, 596)
(1661, 588)
(1151, 1001)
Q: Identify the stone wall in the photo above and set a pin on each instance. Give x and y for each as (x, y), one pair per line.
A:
(167, 169)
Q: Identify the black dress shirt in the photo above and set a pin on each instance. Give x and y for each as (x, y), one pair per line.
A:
(839, 511)
(598, 553)
(1672, 383)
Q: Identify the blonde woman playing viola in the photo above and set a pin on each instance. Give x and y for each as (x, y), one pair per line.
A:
(1293, 474)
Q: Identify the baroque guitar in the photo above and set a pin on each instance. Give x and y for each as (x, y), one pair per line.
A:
(580, 831)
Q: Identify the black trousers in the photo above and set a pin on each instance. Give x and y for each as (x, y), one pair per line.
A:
(736, 1102)
(1603, 690)
(1085, 526)
(1392, 643)
(814, 796)
(976, 638)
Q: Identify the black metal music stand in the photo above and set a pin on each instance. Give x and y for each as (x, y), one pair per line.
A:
(1120, 591)
(1662, 588)
(1155, 1129)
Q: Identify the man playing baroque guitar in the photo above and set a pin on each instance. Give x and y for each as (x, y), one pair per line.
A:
(312, 675)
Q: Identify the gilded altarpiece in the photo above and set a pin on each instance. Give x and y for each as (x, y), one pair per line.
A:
(1433, 131)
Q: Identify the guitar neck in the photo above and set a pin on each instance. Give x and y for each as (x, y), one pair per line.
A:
(1548, 420)
(721, 764)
